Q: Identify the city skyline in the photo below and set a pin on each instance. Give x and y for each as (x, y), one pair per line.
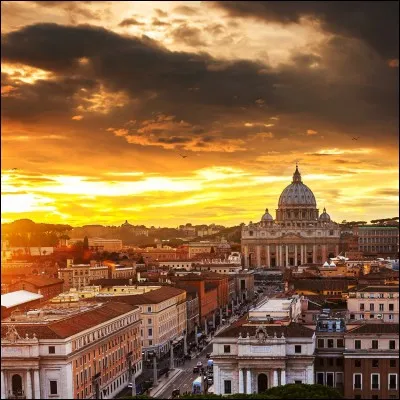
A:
(166, 113)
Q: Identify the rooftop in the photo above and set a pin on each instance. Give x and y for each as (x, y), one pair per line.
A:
(19, 297)
(57, 322)
(271, 305)
(377, 288)
(42, 281)
(375, 329)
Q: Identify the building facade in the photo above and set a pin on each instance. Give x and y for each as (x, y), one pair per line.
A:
(374, 302)
(371, 362)
(70, 353)
(252, 358)
(298, 235)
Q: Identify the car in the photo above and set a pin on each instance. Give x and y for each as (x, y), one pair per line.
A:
(196, 370)
(199, 364)
(175, 393)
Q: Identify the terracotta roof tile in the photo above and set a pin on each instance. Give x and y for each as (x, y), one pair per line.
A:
(42, 281)
(373, 328)
(71, 325)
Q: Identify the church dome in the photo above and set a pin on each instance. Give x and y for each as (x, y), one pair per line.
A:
(324, 217)
(297, 193)
(267, 216)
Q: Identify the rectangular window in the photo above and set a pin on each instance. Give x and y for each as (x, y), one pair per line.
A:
(339, 379)
(357, 381)
(362, 307)
(357, 344)
(330, 379)
(381, 307)
(227, 387)
(393, 364)
(375, 363)
(321, 343)
(150, 343)
(371, 307)
(391, 307)
(375, 344)
(149, 321)
(150, 331)
(375, 381)
(340, 343)
(52, 350)
(227, 348)
(53, 387)
(330, 343)
(148, 309)
(297, 349)
(393, 381)
(392, 344)
(320, 378)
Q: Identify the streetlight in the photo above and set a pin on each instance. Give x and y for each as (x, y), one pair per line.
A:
(171, 365)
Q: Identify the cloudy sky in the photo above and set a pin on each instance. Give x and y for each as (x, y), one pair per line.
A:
(170, 112)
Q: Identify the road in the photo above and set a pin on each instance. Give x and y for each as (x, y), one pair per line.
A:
(184, 381)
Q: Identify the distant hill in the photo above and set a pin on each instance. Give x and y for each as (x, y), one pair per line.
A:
(231, 234)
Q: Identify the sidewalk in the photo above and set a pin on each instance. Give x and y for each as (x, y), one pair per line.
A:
(154, 391)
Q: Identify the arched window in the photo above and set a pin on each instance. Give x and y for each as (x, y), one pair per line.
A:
(262, 383)
(16, 382)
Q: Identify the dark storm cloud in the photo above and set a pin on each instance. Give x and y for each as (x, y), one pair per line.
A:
(129, 22)
(174, 140)
(348, 88)
(375, 22)
(187, 35)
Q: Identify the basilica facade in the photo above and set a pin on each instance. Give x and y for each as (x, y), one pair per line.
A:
(298, 234)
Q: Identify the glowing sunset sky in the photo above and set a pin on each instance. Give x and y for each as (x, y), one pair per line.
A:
(101, 99)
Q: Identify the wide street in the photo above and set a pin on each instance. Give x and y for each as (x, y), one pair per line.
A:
(184, 381)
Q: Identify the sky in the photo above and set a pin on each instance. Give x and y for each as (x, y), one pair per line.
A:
(164, 113)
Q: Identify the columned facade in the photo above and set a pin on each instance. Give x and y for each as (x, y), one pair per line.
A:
(298, 235)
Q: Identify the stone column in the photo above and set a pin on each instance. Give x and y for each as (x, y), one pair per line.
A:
(268, 257)
(246, 256)
(336, 250)
(205, 326)
(275, 380)
(28, 391)
(241, 387)
(258, 255)
(36, 383)
(248, 391)
(301, 254)
(324, 253)
(283, 377)
(314, 254)
(287, 255)
(216, 380)
(280, 255)
(3, 385)
(295, 255)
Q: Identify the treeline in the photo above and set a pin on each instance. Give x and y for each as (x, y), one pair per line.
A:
(383, 221)
(26, 233)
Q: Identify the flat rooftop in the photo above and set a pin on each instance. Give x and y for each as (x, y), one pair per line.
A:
(18, 298)
(273, 305)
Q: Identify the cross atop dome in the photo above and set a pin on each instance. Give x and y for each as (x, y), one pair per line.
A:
(296, 175)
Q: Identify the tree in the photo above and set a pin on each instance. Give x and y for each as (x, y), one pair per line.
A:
(85, 243)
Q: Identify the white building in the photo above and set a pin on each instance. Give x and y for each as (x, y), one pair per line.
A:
(252, 357)
(70, 352)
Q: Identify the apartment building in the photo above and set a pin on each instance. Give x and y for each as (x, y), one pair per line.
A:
(374, 302)
(163, 314)
(78, 352)
(100, 244)
(79, 275)
(371, 362)
(329, 347)
(47, 286)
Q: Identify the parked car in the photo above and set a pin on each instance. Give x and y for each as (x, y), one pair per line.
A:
(175, 393)
(196, 370)
(199, 364)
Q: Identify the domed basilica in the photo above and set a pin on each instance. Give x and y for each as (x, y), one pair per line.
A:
(298, 235)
